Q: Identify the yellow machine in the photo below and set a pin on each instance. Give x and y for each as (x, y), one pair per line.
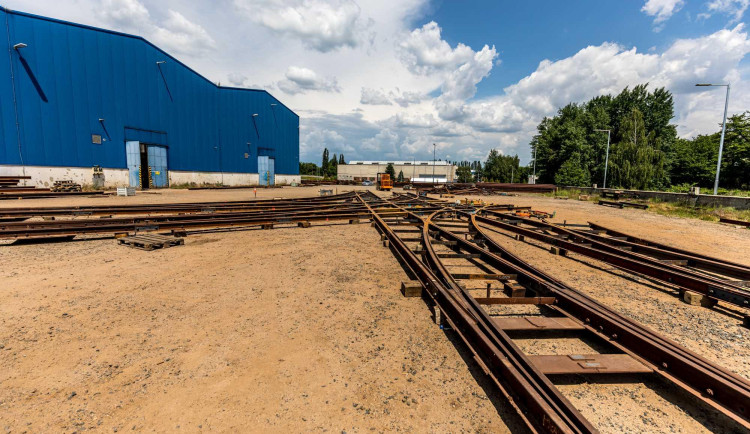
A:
(385, 183)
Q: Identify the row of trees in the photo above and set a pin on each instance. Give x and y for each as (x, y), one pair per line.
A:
(328, 167)
(497, 168)
(645, 152)
(693, 161)
(570, 151)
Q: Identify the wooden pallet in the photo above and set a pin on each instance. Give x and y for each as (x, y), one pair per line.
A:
(150, 241)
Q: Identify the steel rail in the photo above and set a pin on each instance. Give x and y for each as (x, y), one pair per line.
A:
(182, 224)
(169, 207)
(345, 207)
(567, 417)
(642, 245)
(537, 411)
(634, 262)
(724, 390)
(174, 217)
(721, 389)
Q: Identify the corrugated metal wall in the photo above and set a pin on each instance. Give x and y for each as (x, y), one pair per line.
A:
(70, 76)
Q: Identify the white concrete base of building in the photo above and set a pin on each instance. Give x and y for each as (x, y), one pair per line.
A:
(177, 177)
(42, 176)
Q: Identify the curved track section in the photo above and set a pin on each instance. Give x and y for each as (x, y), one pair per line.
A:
(439, 246)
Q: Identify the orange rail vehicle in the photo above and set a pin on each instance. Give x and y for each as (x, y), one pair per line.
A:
(385, 183)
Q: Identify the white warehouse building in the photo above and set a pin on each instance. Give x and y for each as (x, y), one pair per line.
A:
(414, 171)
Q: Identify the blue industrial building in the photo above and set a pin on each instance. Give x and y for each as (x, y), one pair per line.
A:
(73, 97)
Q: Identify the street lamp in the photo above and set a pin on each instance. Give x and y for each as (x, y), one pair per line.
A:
(606, 159)
(723, 129)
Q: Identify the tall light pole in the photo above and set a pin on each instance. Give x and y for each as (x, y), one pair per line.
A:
(434, 149)
(534, 175)
(723, 129)
(606, 159)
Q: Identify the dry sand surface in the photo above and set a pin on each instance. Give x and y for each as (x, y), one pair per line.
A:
(296, 330)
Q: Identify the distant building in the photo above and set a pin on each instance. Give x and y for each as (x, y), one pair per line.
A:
(75, 97)
(414, 171)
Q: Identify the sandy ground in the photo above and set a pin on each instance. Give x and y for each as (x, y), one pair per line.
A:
(301, 330)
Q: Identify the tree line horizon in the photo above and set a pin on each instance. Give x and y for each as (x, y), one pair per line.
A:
(645, 151)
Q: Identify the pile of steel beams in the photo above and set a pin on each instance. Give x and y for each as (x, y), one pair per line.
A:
(9, 189)
(485, 188)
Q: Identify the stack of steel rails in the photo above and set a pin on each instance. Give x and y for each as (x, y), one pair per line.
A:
(69, 222)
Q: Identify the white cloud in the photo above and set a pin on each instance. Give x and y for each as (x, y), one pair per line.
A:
(734, 8)
(608, 68)
(381, 97)
(424, 51)
(406, 98)
(182, 35)
(301, 80)
(125, 15)
(323, 25)
(176, 34)
(237, 79)
(374, 97)
(462, 84)
(662, 9)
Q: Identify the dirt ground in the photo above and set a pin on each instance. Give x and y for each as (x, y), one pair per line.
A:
(297, 330)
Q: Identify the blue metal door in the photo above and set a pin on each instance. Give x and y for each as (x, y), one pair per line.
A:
(262, 170)
(157, 161)
(271, 173)
(133, 154)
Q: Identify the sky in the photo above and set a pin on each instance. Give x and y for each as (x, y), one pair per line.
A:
(387, 79)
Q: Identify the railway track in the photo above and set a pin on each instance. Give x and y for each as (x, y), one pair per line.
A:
(467, 277)
(686, 271)
(483, 292)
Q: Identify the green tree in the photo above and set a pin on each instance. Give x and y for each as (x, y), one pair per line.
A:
(341, 159)
(735, 164)
(478, 171)
(463, 174)
(333, 167)
(694, 161)
(500, 168)
(571, 133)
(637, 162)
(308, 169)
(324, 163)
(573, 173)
(390, 170)
(400, 176)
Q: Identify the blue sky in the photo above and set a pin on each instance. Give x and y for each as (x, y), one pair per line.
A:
(527, 32)
(385, 79)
